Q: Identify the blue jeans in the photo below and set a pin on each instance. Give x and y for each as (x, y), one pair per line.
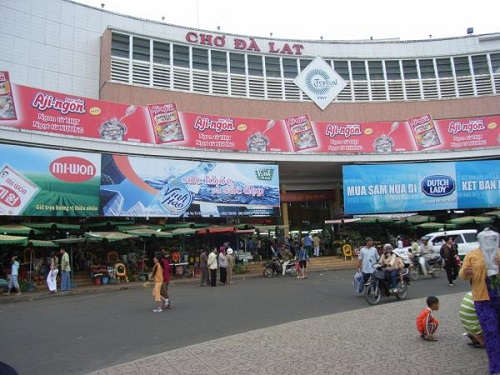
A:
(394, 278)
(65, 283)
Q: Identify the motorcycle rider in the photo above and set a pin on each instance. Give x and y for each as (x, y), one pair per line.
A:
(427, 253)
(393, 265)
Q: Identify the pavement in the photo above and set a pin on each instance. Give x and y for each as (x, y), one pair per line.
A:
(378, 339)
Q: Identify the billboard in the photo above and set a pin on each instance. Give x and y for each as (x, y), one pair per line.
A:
(165, 125)
(147, 187)
(373, 189)
(40, 182)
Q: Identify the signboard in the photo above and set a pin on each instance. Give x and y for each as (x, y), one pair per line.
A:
(165, 125)
(374, 189)
(320, 82)
(146, 187)
(40, 182)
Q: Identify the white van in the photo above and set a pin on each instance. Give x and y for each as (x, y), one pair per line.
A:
(466, 240)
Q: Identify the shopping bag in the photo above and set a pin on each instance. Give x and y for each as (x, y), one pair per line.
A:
(358, 283)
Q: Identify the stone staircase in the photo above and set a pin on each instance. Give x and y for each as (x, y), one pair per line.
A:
(252, 269)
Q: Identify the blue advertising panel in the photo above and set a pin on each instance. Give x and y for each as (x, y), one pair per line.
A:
(41, 182)
(147, 187)
(373, 189)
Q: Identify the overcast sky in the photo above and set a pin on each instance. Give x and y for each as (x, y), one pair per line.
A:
(311, 19)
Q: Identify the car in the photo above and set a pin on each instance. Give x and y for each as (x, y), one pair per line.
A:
(465, 239)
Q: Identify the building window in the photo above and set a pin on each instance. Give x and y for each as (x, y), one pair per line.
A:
(237, 63)
(140, 49)
(427, 68)
(342, 69)
(120, 45)
(200, 59)
(218, 61)
(273, 68)
(480, 64)
(462, 68)
(495, 62)
(290, 68)
(410, 69)
(444, 68)
(161, 53)
(375, 70)
(358, 70)
(392, 70)
(181, 56)
(255, 65)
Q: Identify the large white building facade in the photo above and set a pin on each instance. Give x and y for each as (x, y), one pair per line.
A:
(66, 47)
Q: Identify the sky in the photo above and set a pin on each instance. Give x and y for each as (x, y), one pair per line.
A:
(313, 19)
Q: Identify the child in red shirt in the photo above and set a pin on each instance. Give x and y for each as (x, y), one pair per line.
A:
(426, 324)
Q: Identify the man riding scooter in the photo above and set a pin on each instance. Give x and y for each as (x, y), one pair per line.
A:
(427, 254)
(393, 265)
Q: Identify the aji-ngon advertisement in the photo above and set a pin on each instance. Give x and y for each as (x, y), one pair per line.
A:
(146, 187)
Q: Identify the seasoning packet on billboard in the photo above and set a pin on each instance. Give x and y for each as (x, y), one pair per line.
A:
(301, 132)
(166, 123)
(16, 191)
(424, 132)
(7, 109)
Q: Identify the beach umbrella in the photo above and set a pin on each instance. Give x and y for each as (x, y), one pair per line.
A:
(494, 214)
(110, 236)
(437, 226)
(13, 240)
(17, 229)
(147, 232)
(471, 220)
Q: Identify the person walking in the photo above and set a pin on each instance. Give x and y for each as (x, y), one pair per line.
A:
(52, 275)
(14, 275)
(205, 280)
(316, 244)
(212, 266)
(307, 242)
(303, 257)
(165, 295)
(449, 254)
(222, 265)
(65, 271)
(368, 257)
(230, 265)
(481, 267)
(157, 277)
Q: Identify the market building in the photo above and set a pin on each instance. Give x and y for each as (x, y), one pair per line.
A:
(308, 107)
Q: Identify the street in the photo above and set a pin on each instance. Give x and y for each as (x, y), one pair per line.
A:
(79, 334)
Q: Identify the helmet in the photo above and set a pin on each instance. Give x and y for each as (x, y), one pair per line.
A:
(388, 247)
(229, 251)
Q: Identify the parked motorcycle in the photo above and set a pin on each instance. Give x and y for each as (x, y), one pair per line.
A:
(275, 266)
(378, 285)
(430, 267)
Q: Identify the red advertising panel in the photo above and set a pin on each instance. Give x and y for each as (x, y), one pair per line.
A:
(7, 109)
(51, 112)
(163, 124)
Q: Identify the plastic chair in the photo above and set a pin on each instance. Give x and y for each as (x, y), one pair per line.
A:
(347, 251)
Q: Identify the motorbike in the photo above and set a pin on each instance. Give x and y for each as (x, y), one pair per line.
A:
(379, 282)
(430, 267)
(275, 266)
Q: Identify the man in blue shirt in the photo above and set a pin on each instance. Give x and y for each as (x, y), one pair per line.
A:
(368, 256)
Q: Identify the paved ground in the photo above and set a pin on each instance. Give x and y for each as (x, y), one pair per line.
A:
(376, 340)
